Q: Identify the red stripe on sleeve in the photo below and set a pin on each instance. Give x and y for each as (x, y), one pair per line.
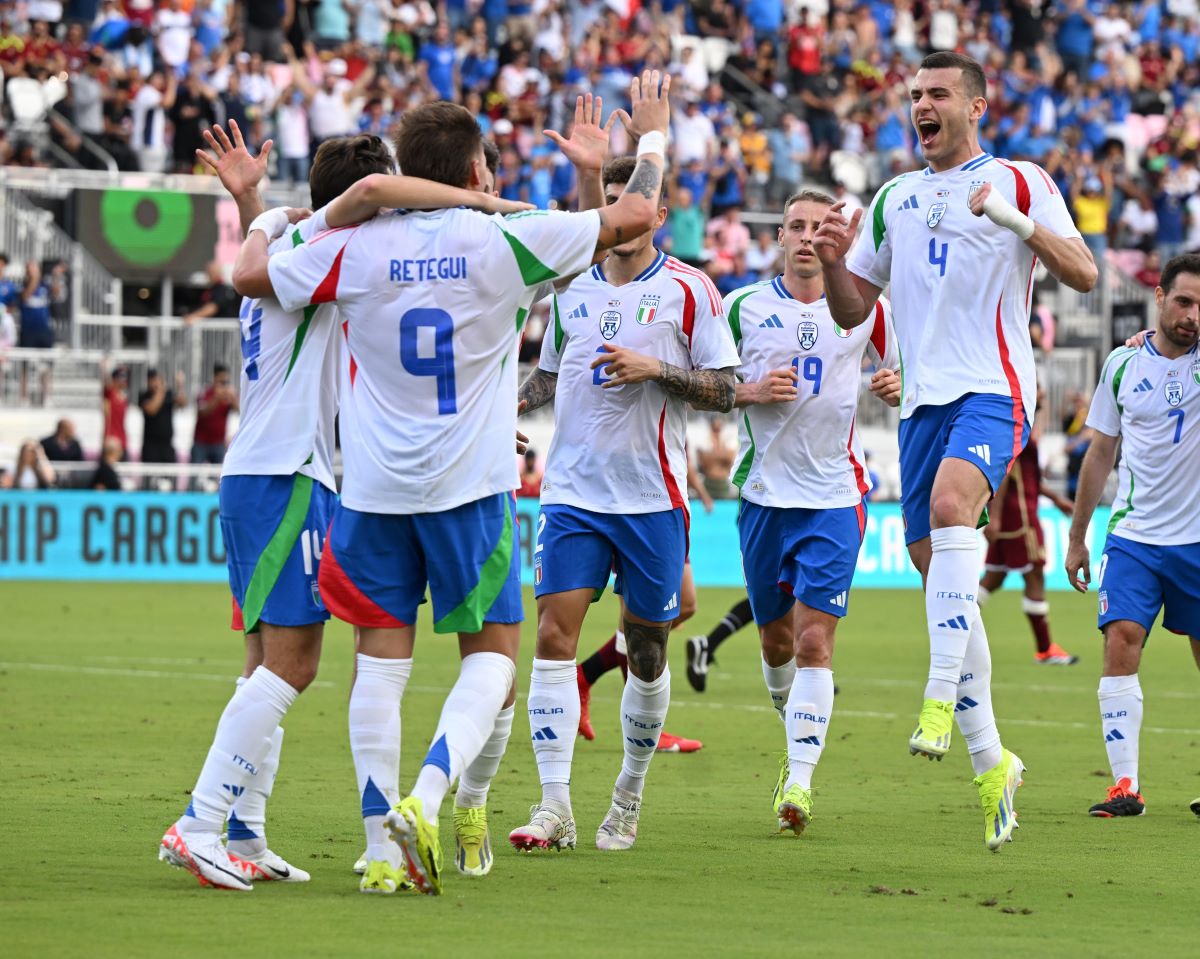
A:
(689, 310)
(1023, 197)
(879, 332)
(326, 291)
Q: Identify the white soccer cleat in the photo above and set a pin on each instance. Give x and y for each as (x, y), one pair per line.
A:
(619, 829)
(204, 857)
(267, 866)
(360, 864)
(550, 827)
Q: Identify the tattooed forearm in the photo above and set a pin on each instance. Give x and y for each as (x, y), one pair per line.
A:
(537, 390)
(645, 180)
(704, 389)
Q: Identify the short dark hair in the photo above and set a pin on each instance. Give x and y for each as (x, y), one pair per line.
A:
(618, 170)
(1185, 263)
(219, 368)
(974, 82)
(438, 141)
(343, 161)
(808, 195)
(491, 155)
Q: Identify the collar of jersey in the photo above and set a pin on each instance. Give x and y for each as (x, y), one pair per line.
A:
(779, 288)
(598, 272)
(973, 164)
(1153, 350)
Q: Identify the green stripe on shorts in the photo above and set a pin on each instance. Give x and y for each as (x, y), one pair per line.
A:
(467, 616)
(278, 549)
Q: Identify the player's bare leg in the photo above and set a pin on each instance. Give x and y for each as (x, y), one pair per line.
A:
(1120, 696)
(554, 719)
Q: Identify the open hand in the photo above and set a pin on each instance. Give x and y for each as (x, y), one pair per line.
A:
(486, 203)
(587, 147)
(238, 170)
(651, 108)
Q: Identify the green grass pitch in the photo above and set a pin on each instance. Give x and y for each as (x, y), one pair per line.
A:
(109, 695)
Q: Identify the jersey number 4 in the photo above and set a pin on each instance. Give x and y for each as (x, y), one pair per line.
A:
(441, 364)
(937, 257)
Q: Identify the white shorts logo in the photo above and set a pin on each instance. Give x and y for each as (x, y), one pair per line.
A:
(983, 451)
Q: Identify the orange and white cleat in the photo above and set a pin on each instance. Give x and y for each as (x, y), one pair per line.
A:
(678, 744)
(267, 866)
(585, 698)
(1055, 655)
(205, 858)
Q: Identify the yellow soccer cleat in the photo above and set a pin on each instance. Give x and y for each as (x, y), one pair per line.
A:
(795, 809)
(780, 784)
(931, 738)
(997, 789)
(380, 878)
(472, 841)
(418, 839)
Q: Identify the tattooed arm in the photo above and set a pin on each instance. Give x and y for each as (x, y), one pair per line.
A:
(704, 389)
(537, 390)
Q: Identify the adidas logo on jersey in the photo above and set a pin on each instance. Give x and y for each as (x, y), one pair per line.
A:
(910, 203)
(579, 313)
(838, 600)
(673, 604)
(545, 734)
(772, 322)
(983, 451)
(958, 622)
(1143, 387)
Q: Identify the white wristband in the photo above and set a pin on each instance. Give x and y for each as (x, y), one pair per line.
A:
(1004, 214)
(272, 223)
(653, 142)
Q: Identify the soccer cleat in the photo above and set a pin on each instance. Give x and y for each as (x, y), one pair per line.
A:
(1194, 806)
(380, 878)
(585, 698)
(266, 866)
(697, 662)
(472, 841)
(1123, 801)
(931, 738)
(1055, 655)
(205, 858)
(677, 744)
(780, 784)
(795, 809)
(619, 829)
(360, 864)
(417, 838)
(550, 827)
(997, 789)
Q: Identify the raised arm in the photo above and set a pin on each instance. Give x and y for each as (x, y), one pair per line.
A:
(250, 275)
(850, 297)
(239, 171)
(587, 148)
(1097, 464)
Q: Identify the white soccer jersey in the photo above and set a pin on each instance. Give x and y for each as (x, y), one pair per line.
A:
(960, 285)
(289, 391)
(1153, 404)
(431, 306)
(805, 453)
(621, 450)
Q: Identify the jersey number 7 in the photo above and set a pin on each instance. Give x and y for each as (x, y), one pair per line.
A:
(441, 364)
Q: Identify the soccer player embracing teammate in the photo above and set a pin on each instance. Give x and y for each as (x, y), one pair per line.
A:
(957, 242)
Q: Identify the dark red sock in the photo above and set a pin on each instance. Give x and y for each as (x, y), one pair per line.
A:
(603, 660)
(1041, 630)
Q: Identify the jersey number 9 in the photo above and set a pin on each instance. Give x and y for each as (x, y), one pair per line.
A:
(441, 364)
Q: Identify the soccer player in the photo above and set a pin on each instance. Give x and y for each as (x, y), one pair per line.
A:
(1017, 544)
(428, 411)
(1149, 399)
(633, 342)
(277, 489)
(957, 242)
(802, 514)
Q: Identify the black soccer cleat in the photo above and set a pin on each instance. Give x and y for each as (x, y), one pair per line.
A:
(1194, 806)
(1121, 801)
(697, 662)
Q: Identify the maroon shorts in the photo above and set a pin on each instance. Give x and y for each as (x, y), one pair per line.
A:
(1017, 551)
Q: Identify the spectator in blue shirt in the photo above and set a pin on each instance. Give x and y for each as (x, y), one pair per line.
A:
(1074, 38)
(437, 61)
(36, 331)
(10, 292)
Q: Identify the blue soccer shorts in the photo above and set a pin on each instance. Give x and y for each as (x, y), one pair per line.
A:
(578, 549)
(1137, 580)
(273, 527)
(377, 566)
(985, 429)
(791, 554)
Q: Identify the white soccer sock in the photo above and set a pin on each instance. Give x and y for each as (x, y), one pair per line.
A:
(779, 681)
(248, 817)
(477, 778)
(973, 705)
(807, 713)
(1121, 723)
(242, 742)
(468, 718)
(374, 718)
(553, 725)
(950, 606)
(643, 712)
